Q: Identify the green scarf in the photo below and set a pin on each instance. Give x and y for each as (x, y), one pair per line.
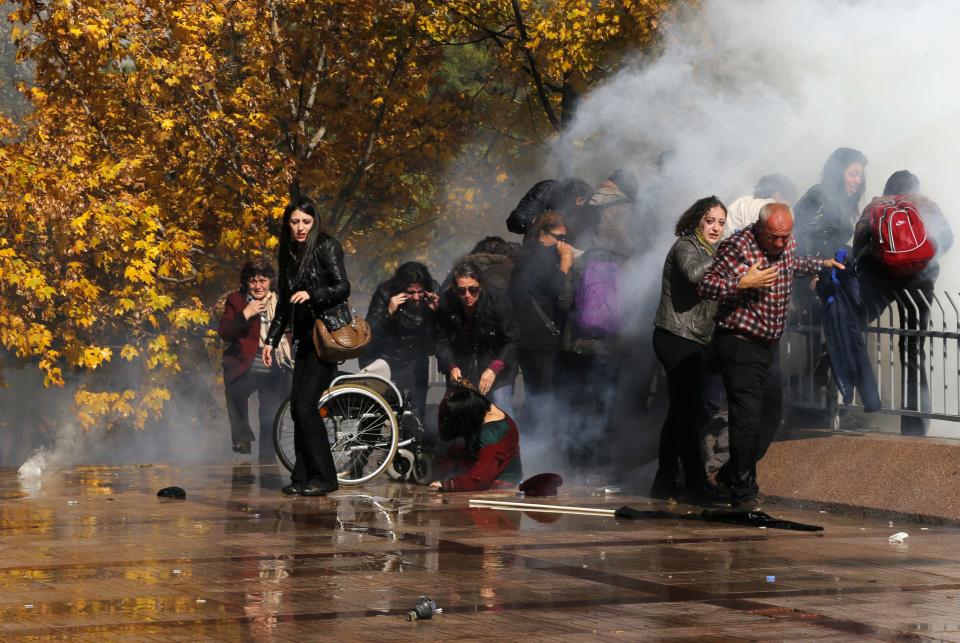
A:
(709, 247)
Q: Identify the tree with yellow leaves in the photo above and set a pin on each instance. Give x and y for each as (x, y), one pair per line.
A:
(163, 142)
(163, 139)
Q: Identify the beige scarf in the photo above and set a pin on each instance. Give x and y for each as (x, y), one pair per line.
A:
(282, 354)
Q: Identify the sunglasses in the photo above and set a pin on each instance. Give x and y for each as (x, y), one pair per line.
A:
(463, 290)
(558, 237)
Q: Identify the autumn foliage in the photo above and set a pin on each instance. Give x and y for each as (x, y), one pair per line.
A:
(163, 139)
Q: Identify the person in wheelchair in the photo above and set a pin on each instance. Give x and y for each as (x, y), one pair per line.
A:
(401, 317)
(490, 453)
(313, 283)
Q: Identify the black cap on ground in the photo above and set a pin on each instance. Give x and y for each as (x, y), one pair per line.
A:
(176, 493)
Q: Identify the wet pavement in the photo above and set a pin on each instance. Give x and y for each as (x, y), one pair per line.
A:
(92, 554)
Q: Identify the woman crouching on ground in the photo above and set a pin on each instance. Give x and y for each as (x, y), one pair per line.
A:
(491, 443)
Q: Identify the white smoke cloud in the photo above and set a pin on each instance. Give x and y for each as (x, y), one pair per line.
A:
(744, 88)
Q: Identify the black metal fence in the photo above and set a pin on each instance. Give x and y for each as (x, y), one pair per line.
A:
(913, 343)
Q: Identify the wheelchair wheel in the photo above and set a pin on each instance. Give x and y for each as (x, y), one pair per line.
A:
(283, 436)
(362, 430)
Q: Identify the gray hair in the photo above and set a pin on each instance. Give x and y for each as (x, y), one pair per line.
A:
(769, 208)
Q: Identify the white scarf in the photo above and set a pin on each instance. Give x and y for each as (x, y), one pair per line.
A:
(282, 354)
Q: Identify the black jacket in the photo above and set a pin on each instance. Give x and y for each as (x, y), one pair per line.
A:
(401, 338)
(472, 344)
(537, 276)
(326, 282)
(534, 203)
(823, 223)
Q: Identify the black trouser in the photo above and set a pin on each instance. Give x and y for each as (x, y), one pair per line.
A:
(311, 377)
(685, 363)
(751, 375)
(271, 388)
(587, 383)
(878, 290)
(538, 368)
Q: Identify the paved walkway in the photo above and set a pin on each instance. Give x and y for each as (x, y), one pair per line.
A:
(93, 554)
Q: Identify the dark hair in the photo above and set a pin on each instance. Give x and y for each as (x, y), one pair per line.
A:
(461, 413)
(465, 269)
(549, 221)
(832, 179)
(690, 220)
(626, 181)
(255, 268)
(411, 272)
(491, 246)
(566, 192)
(772, 184)
(901, 182)
(289, 250)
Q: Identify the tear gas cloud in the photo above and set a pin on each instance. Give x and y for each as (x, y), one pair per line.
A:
(745, 88)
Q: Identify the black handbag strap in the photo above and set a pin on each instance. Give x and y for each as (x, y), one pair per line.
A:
(549, 323)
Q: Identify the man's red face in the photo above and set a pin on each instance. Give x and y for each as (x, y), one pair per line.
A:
(776, 234)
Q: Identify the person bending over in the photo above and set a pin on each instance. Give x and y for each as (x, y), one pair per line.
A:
(490, 454)
(752, 278)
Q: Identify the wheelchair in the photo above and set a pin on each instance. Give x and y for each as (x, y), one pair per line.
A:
(371, 428)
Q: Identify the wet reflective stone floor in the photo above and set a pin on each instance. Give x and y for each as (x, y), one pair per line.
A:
(92, 554)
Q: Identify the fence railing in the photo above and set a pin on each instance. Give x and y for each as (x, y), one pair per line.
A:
(913, 344)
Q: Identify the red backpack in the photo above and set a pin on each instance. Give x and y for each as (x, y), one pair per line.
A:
(900, 240)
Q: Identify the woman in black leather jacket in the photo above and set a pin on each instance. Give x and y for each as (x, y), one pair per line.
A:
(824, 217)
(682, 330)
(313, 284)
(477, 336)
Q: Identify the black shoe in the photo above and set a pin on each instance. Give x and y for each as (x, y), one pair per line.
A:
(746, 504)
(706, 496)
(292, 489)
(313, 491)
(241, 447)
(663, 492)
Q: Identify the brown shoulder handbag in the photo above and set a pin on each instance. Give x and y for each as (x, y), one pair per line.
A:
(340, 334)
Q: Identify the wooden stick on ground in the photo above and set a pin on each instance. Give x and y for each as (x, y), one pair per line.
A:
(529, 506)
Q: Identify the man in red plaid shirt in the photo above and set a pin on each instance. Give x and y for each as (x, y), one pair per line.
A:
(752, 277)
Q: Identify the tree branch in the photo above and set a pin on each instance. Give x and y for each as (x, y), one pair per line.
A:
(534, 72)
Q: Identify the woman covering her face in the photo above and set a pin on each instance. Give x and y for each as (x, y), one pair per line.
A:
(247, 314)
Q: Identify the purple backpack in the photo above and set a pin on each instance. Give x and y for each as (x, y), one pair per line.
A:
(597, 298)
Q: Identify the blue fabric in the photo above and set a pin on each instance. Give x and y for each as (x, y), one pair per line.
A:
(839, 293)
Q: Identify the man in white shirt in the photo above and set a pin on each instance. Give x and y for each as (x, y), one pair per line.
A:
(771, 188)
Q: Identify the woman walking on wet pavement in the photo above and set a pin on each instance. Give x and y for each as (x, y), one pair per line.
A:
(247, 314)
(313, 281)
(682, 330)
